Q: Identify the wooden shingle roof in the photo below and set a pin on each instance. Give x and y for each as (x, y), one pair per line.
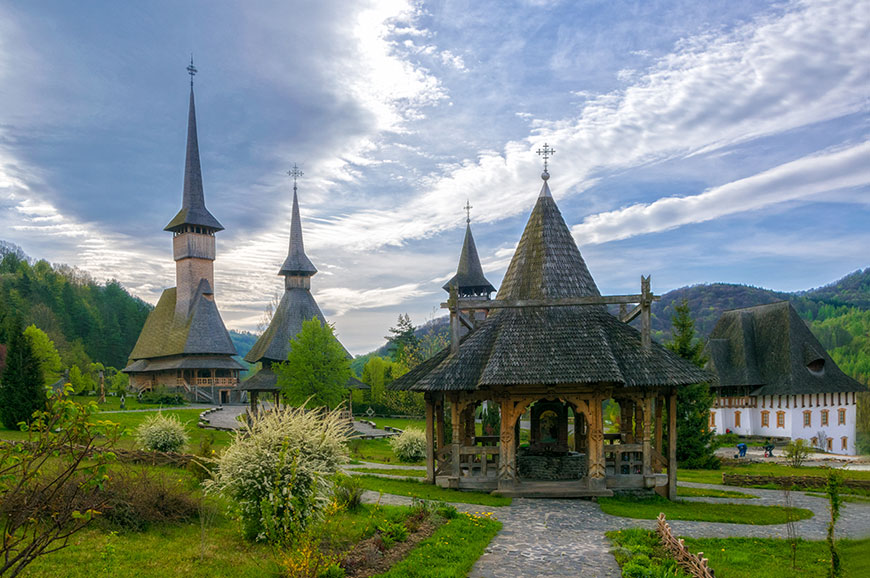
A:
(469, 278)
(201, 332)
(550, 345)
(769, 350)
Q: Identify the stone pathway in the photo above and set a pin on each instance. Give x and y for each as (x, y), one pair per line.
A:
(225, 416)
(543, 538)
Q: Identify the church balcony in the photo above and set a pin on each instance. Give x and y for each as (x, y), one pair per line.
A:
(208, 381)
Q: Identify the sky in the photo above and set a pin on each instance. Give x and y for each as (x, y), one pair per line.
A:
(696, 141)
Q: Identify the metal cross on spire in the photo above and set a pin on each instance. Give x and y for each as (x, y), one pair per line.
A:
(295, 172)
(191, 70)
(546, 152)
(467, 208)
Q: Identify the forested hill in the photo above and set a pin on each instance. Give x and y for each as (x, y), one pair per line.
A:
(88, 321)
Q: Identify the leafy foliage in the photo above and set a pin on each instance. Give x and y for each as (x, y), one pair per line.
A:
(43, 482)
(278, 471)
(21, 386)
(162, 433)
(317, 369)
(45, 353)
(796, 453)
(410, 445)
(694, 439)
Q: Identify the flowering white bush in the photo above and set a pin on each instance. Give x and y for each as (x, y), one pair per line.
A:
(162, 433)
(410, 445)
(278, 470)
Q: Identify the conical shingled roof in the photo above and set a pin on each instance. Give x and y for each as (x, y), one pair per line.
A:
(769, 350)
(550, 345)
(193, 210)
(469, 278)
(297, 262)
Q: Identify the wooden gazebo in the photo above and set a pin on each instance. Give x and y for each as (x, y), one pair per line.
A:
(549, 345)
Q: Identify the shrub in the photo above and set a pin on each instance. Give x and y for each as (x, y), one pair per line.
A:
(278, 471)
(796, 452)
(203, 466)
(348, 492)
(392, 532)
(410, 445)
(135, 499)
(728, 440)
(162, 433)
(309, 561)
(162, 396)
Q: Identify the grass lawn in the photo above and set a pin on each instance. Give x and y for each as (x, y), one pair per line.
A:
(649, 509)
(113, 403)
(415, 489)
(378, 451)
(705, 493)
(639, 552)
(770, 469)
(163, 551)
(769, 558)
(451, 551)
(397, 422)
(392, 472)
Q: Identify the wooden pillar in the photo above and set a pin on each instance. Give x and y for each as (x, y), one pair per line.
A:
(454, 319)
(646, 425)
(456, 422)
(595, 446)
(640, 417)
(469, 424)
(430, 440)
(439, 423)
(213, 399)
(672, 446)
(507, 468)
(645, 307)
(659, 433)
(578, 431)
(626, 413)
(254, 401)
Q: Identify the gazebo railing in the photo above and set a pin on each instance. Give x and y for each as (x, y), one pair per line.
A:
(467, 461)
(623, 459)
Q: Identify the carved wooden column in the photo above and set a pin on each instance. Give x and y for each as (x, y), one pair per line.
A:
(469, 424)
(660, 401)
(626, 413)
(456, 422)
(430, 439)
(640, 417)
(672, 446)
(439, 422)
(595, 446)
(647, 435)
(507, 469)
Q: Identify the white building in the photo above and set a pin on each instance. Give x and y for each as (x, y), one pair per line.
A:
(776, 380)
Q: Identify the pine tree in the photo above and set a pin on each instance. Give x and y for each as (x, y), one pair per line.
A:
(403, 341)
(21, 387)
(694, 438)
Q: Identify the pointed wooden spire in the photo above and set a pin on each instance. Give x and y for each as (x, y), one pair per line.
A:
(297, 263)
(469, 279)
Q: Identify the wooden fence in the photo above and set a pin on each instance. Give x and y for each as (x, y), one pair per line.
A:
(746, 480)
(694, 564)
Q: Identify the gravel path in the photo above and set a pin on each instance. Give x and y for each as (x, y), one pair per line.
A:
(559, 538)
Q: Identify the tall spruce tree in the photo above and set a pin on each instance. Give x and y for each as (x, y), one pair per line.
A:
(21, 385)
(694, 438)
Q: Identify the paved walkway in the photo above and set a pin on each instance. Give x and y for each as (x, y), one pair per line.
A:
(543, 538)
(225, 416)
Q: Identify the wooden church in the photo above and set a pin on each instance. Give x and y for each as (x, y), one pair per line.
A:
(184, 344)
(548, 344)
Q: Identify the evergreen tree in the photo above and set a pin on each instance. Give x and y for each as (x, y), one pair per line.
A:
(403, 340)
(694, 438)
(317, 368)
(21, 387)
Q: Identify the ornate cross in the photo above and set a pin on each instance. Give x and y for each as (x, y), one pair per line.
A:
(467, 208)
(295, 172)
(546, 152)
(191, 70)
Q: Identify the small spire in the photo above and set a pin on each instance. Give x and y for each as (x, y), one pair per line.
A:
(297, 262)
(467, 208)
(191, 70)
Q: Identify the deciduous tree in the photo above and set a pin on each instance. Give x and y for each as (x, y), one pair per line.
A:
(46, 354)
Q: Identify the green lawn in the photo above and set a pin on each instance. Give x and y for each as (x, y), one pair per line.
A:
(769, 558)
(413, 488)
(649, 509)
(769, 469)
(378, 451)
(391, 472)
(397, 422)
(113, 403)
(705, 493)
(451, 551)
(639, 552)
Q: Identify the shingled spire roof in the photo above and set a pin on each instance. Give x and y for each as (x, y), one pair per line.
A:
(769, 350)
(193, 211)
(469, 278)
(297, 262)
(550, 345)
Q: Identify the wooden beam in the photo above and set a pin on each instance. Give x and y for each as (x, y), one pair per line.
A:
(631, 315)
(464, 304)
(469, 324)
(430, 441)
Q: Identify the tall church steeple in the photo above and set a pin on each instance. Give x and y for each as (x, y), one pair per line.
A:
(194, 226)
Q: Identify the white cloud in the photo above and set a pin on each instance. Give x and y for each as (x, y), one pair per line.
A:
(805, 177)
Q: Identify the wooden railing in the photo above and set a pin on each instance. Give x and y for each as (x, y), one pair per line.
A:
(218, 381)
(621, 457)
(694, 564)
(472, 461)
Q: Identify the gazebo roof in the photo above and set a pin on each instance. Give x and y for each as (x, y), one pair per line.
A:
(550, 345)
(770, 350)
